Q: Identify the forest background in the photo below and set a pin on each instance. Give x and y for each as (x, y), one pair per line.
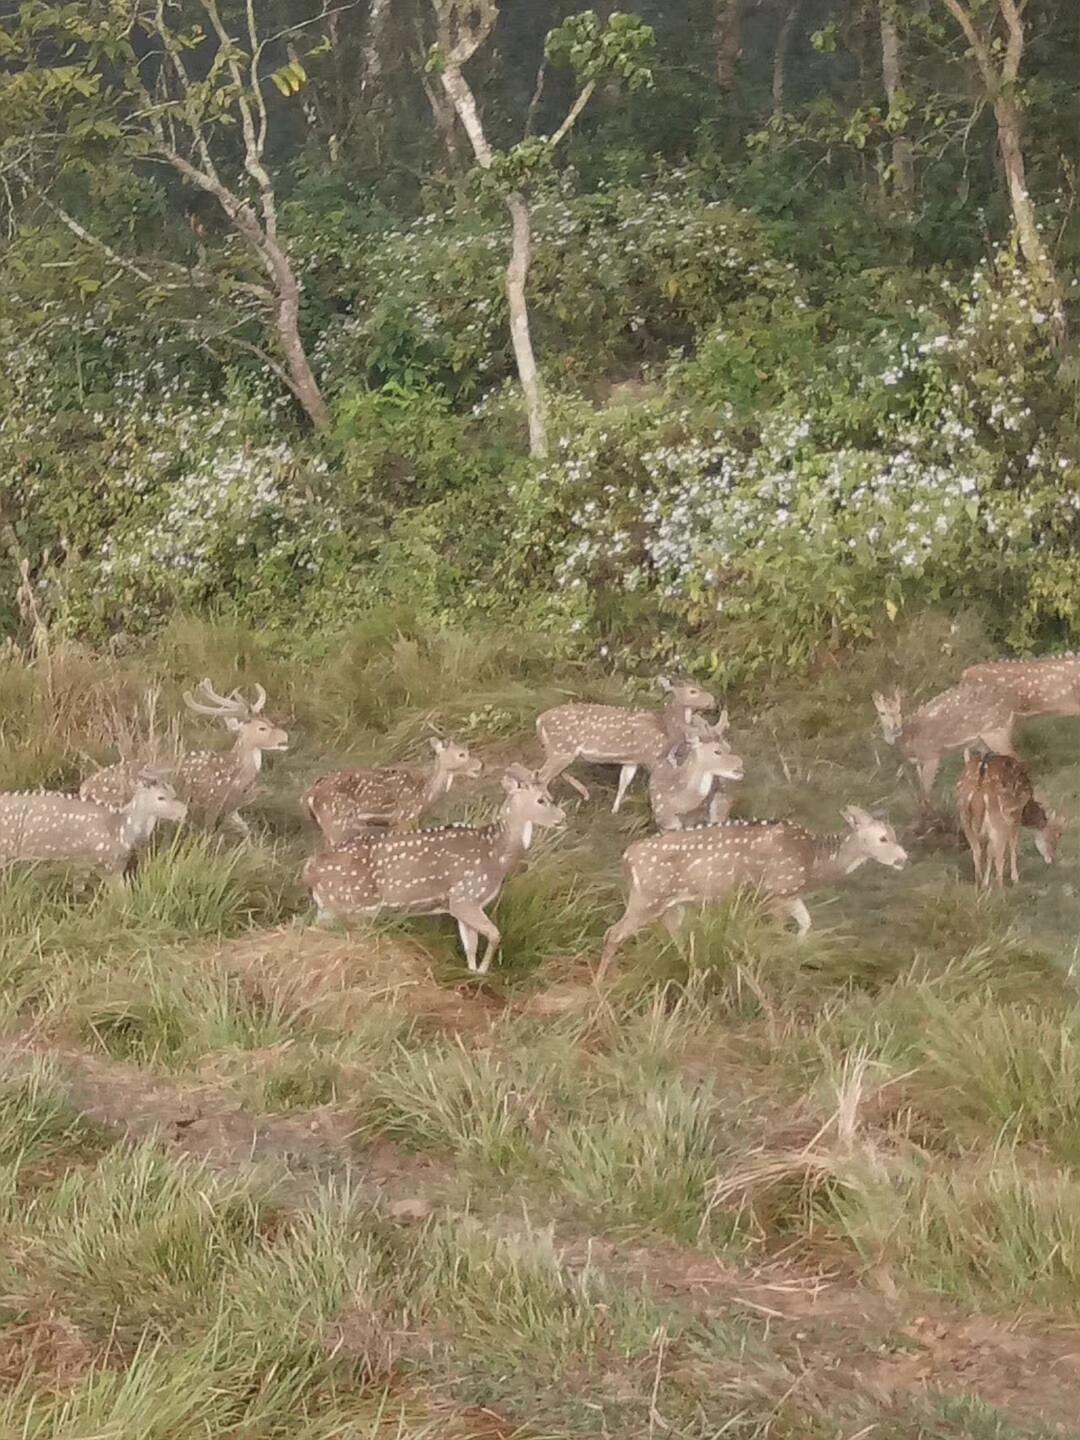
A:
(655, 324)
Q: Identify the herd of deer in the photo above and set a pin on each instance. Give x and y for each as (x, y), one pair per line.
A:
(376, 861)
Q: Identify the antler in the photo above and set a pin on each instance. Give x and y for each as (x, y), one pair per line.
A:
(209, 702)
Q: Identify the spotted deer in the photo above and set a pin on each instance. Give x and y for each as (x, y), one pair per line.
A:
(616, 735)
(65, 829)
(1049, 686)
(213, 783)
(995, 799)
(346, 802)
(781, 860)
(455, 870)
(954, 720)
(685, 787)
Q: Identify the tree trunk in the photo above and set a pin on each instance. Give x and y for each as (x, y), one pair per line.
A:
(1000, 77)
(284, 286)
(727, 41)
(780, 54)
(287, 291)
(517, 273)
(903, 155)
(1035, 253)
(517, 270)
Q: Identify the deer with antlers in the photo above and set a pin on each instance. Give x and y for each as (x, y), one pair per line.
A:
(47, 826)
(455, 870)
(781, 860)
(617, 735)
(995, 800)
(213, 783)
(347, 802)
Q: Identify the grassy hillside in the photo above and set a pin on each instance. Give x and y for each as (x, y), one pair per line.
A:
(265, 1180)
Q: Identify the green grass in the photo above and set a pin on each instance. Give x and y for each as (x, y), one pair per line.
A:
(542, 1208)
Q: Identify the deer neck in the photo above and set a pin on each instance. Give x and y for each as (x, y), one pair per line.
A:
(514, 835)
(834, 856)
(247, 760)
(438, 783)
(135, 828)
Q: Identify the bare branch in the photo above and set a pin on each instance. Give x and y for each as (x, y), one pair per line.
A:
(81, 233)
(1014, 50)
(573, 113)
(534, 103)
(194, 124)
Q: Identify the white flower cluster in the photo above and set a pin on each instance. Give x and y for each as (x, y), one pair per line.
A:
(955, 470)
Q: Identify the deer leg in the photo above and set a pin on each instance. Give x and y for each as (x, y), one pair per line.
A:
(974, 845)
(635, 918)
(554, 766)
(928, 769)
(237, 822)
(790, 907)
(470, 938)
(626, 776)
(472, 923)
(999, 741)
(998, 847)
(672, 919)
(1014, 842)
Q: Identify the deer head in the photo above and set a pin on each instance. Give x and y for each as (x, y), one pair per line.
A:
(242, 717)
(891, 714)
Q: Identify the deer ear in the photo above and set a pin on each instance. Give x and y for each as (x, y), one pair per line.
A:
(232, 722)
(664, 683)
(856, 816)
(879, 699)
(510, 782)
(437, 745)
(722, 723)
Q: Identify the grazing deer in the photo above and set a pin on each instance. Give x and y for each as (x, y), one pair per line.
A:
(453, 870)
(683, 785)
(214, 783)
(954, 720)
(616, 735)
(65, 828)
(995, 798)
(348, 801)
(780, 859)
(1050, 686)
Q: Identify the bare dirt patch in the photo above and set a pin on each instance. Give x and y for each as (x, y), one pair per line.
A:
(1029, 1368)
(334, 980)
(203, 1122)
(51, 1350)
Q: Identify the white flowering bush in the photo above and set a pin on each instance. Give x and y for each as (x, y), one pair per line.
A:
(616, 274)
(161, 498)
(924, 474)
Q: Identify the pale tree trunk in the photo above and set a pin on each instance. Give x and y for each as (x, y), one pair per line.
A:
(999, 80)
(371, 81)
(259, 231)
(516, 274)
(446, 124)
(284, 293)
(903, 155)
(728, 18)
(780, 54)
(517, 271)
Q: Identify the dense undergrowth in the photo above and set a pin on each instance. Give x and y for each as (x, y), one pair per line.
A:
(791, 461)
(891, 1102)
